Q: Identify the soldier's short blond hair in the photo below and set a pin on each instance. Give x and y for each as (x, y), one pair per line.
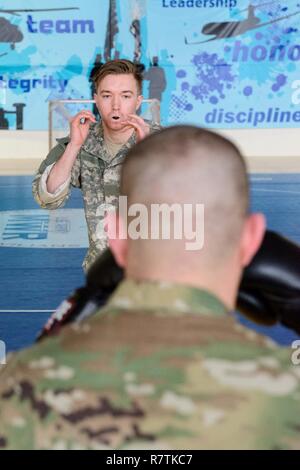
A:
(119, 67)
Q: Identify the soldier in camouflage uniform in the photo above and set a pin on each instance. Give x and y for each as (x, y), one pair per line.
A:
(163, 365)
(91, 157)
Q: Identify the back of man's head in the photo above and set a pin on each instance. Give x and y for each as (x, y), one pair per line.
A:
(194, 169)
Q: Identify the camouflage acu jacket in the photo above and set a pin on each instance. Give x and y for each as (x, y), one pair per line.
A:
(97, 175)
(161, 367)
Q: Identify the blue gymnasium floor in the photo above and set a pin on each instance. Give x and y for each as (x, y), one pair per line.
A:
(42, 251)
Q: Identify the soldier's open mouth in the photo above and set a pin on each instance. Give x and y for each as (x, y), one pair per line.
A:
(116, 117)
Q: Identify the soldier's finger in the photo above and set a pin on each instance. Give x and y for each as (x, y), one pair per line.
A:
(137, 119)
(85, 114)
(132, 124)
(83, 118)
(85, 111)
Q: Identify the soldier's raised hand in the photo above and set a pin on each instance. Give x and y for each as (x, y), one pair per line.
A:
(80, 125)
(142, 129)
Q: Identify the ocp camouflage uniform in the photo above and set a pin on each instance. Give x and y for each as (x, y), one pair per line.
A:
(161, 367)
(96, 173)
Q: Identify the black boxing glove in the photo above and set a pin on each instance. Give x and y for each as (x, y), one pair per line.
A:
(270, 286)
(102, 279)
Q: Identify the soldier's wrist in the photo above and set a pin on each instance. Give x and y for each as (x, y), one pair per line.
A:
(74, 147)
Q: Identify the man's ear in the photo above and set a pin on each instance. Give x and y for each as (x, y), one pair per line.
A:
(252, 237)
(139, 102)
(117, 237)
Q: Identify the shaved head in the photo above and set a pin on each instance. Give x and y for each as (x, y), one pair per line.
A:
(198, 181)
(185, 164)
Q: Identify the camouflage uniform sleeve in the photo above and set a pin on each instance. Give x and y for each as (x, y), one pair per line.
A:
(155, 127)
(39, 190)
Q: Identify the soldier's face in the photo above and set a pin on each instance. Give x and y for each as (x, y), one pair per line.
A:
(117, 96)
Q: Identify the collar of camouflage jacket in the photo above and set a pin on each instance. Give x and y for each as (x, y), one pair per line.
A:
(94, 143)
(162, 296)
